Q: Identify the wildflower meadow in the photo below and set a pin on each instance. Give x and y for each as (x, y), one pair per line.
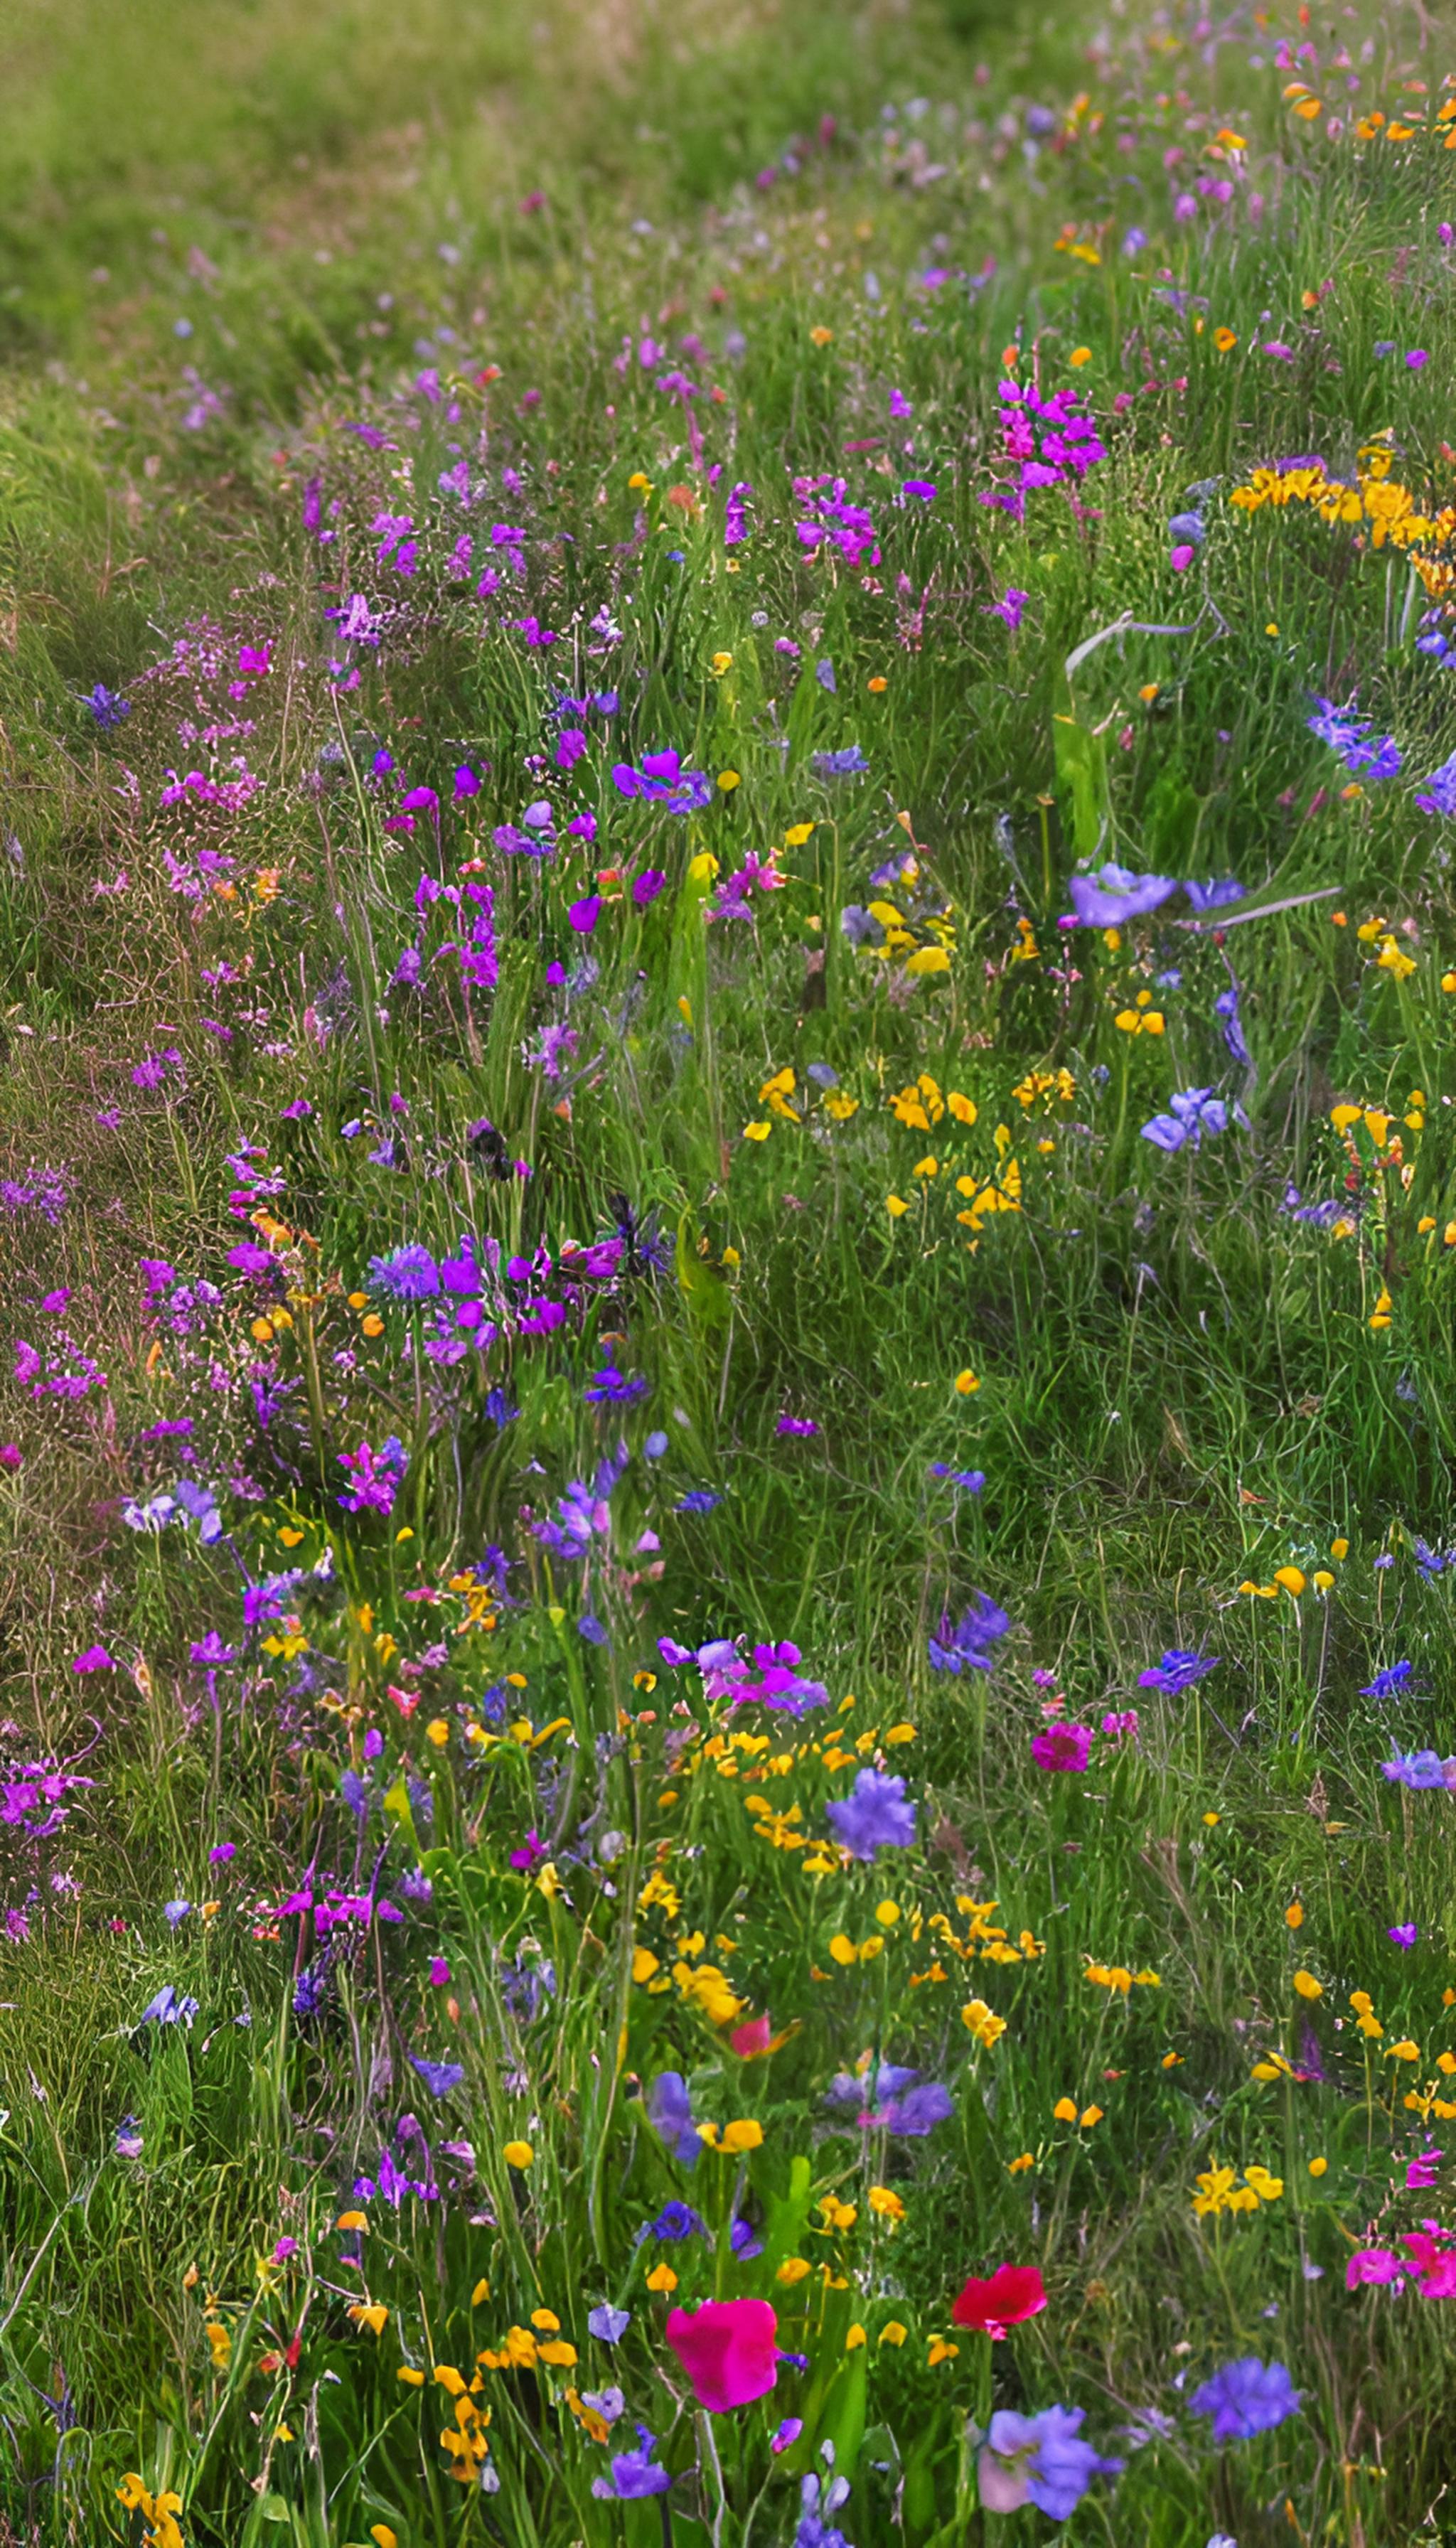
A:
(727, 1261)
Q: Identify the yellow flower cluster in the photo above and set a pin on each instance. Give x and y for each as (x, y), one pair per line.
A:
(1218, 2190)
(1376, 504)
(160, 2510)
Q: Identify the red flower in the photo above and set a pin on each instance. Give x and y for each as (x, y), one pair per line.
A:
(728, 2350)
(1013, 2292)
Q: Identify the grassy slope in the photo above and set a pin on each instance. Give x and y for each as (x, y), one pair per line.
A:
(1179, 1387)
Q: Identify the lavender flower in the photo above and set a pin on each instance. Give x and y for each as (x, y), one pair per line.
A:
(1245, 2398)
(1180, 1667)
(967, 1646)
(874, 1816)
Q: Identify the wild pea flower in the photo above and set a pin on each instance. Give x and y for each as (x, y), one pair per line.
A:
(1062, 1747)
(1005, 2299)
(874, 1816)
(1180, 1667)
(733, 898)
(728, 2350)
(1404, 1934)
(735, 513)
(608, 2324)
(609, 1387)
(967, 1646)
(634, 2474)
(1387, 1682)
(663, 781)
(1039, 2460)
(375, 1477)
(669, 2113)
(1192, 1112)
(770, 1678)
(1010, 608)
(1245, 2398)
(815, 2530)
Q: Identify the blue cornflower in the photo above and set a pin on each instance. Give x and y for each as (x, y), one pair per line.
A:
(1387, 1682)
(847, 764)
(874, 1816)
(406, 1274)
(1245, 2398)
(698, 1500)
(608, 2324)
(969, 1480)
(1180, 1667)
(964, 1648)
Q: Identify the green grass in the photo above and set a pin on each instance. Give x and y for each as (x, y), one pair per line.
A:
(1180, 1387)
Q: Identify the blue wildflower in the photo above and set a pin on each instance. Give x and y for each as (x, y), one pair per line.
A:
(1387, 1682)
(406, 1274)
(847, 764)
(634, 2473)
(1039, 2460)
(438, 2076)
(697, 1501)
(676, 2221)
(1180, 1667)
(1115, 896)
(1420, 1769)
(1226, 1010)
(969, 1480)
(169, 2008)
(874, 1816)
(1191, 1113)
(609, 1387)
(607, 2323)
(107, 708)
(1245, 2398)
(965, 1647)
(669, 2113)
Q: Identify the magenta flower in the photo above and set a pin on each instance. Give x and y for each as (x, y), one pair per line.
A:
(1062, 1747)
(728, 2350)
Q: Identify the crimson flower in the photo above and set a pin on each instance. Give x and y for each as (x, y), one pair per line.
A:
(728, 2349)
(1012, 2292)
